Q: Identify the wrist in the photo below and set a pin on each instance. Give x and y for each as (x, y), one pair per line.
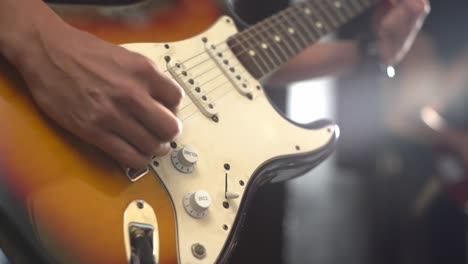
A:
(19, 37)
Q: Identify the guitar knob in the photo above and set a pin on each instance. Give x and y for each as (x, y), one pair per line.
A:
(197, 203)
(184, 159)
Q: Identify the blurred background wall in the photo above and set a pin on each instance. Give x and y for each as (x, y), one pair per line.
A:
(382, 198)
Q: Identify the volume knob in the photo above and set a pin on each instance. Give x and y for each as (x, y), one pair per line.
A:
(184, 159)
(197, 203)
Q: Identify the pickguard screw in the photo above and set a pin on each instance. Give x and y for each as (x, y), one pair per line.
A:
(204, 39)
(140, 204)
(227, 166)
(167, 46)
(298, 148)
(198, 251)
(167, 58)
(215, 118)
(226, 205)
(250, 96)
(173, 145)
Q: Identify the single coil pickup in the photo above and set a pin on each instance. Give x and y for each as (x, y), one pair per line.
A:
(192, 88)
(230, 66)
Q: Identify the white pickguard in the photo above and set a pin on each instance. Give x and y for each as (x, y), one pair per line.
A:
(249, 133)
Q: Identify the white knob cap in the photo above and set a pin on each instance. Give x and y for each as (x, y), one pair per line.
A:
(197, 203)
(184, 159)
(187, 156)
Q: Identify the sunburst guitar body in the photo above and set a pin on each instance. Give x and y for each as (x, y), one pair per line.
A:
(72, 204)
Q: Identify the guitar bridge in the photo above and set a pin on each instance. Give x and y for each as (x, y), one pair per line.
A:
(141, 233)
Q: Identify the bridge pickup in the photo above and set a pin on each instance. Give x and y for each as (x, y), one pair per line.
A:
(192, 88)
(228, 63)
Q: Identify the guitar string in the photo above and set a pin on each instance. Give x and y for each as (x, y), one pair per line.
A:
(239, 34)
(215, 66)
(261, 30)
(230, 57)
(212, 68)
(221, 73)
(269, 25)
(212, 101)
(234, 54)
(220, 97)
(222, 42)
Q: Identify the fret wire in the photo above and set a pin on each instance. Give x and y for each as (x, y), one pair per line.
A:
(292, 31)
(255, 62)
(285, 39)
(302, 22)
(259, 29)
(291, 41)
(256, 53)
(282, 42)
(282, 55)
(322, 7)
(269, 47)
(271, 59)
(308, 18)
(347, 9)
(330, 6)
(319, 24)
(337, 7)
(319, 17)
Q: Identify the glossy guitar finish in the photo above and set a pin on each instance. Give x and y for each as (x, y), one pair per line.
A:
(74, 198)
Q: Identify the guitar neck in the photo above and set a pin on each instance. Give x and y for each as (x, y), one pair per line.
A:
(267, 45)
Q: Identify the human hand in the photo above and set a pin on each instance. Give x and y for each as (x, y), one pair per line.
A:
(397, 24)
(108, 96)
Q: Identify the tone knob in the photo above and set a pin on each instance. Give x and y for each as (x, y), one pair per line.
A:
(197, 203)
(184, 159)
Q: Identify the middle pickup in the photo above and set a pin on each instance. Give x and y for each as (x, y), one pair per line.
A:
(231, 67)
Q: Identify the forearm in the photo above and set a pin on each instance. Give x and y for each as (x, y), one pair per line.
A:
(319, 60)
(20, 24)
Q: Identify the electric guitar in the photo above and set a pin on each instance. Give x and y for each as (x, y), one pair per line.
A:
(72, 204)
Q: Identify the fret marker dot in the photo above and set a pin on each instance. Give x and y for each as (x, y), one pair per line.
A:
(291, 30)
(307, 11)
(264, 46)
(338, 4)
(277, 38)
(251, 53)
(318, 24)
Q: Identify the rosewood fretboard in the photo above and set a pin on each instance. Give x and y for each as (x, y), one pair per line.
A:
(267, 45)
